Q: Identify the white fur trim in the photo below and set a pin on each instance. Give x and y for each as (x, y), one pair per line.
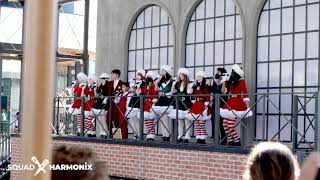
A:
(184, 71)
(246, 99)
(193, 117)
(238, 70)
(147, 115)
(233, 114)
(74, 111)
(168, 69)
(105, 75)
(181, 114)
(161, 109)
(141, 71)
(82, 77)
(201, 73)
(93, 78)
(152, 75)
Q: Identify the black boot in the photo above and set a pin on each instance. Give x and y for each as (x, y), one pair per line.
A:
(230, 143)
(186, 141)
(166, 139)
(180, 140)
(150, 139)
(237, 143)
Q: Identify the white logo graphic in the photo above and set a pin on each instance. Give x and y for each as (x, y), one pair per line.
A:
(40, 166)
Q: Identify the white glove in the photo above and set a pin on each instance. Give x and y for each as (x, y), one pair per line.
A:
(105, 101)
(193, 101)
(206, 103)
(225, 78)
(154, 100)
(169, 95)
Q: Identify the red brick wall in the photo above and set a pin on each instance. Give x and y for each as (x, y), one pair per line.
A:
(155, 163)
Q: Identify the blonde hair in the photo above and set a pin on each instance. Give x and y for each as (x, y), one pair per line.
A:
(271, 161)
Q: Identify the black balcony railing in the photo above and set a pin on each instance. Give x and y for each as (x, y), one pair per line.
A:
(304, 112)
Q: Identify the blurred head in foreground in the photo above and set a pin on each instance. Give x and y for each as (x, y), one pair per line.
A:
(271, 161)
(77, 155)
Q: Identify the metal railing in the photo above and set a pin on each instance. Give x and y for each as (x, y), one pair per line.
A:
(64, 123)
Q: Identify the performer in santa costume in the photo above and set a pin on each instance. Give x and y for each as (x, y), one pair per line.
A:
(237, 106)
(100, 108)
(133, 108)
(165, 102)
(200, 112)
(80, 90)
(150, 92)
(91, 94)
(114, 89)
(123, 102)
(180, 88)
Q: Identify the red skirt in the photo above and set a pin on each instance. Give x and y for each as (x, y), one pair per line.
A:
(76, 104)
(198, 108)
(147, 105)
(235, 103)
(89, 104)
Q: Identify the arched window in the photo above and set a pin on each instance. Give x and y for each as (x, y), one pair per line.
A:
(214, 37)
(151, 41)
(287, 61)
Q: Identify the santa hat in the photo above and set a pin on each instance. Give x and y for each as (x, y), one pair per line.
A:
(93, 78)
(201, 73)
(168, 69)
(82, 77)
(141, 71)
(104, 75)
(152, 75)
(183, 71)
(238, 70)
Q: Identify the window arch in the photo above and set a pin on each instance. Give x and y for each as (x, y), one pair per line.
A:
(287, 60)
(214, 37)
(151, 41)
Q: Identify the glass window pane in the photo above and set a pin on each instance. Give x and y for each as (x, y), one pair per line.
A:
(191, 32)
(299, 73)
(155, 36)
(230, 7)
(238, 27)
(163, 56)
(139, 60)
(219, 28)
(147, 38)
(218, 53)
(140, 20)
(239, 51)
(147, 59)
(286, 49)
(209, 30)
(209, 8)
(274, 74)
(230, 27)
(300, 18)
(313, 17)
(209, 54)
(199, 31)
(229, 52)
(275, 3)
(219, 8)
(285, 134)
(199, 55)
(190, 55)
(313, 45)
(171, 36)
(148, 17)
(286, 74)
(132, 42)
(287, 2)
(275, 48)
(287, 20)
(312, 73)
(140, 39)
(297, 2)
(164, 36)
(286, 100)
(200, 11)
(155, 58)
(275, 22)
(273, 127)
(132, 58)
(299, 46)
(170, 56)
(156, 16)
(164, 17)
(263, 49)
(262, 76)
(263, 24)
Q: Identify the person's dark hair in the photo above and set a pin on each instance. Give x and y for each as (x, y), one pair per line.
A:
(77, 155)
(165, 78)
(127, 84)
(271, 160)
(202, 85)
(222, 70)
(185, 81)
(116, 71)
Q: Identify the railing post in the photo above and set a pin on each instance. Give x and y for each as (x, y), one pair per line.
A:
(110, 117)
(82, 115)
(264, 118)
(141, 120)
(217, 119)
(317, 123)
(175, 122)
(295, 122)
(57, 115)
